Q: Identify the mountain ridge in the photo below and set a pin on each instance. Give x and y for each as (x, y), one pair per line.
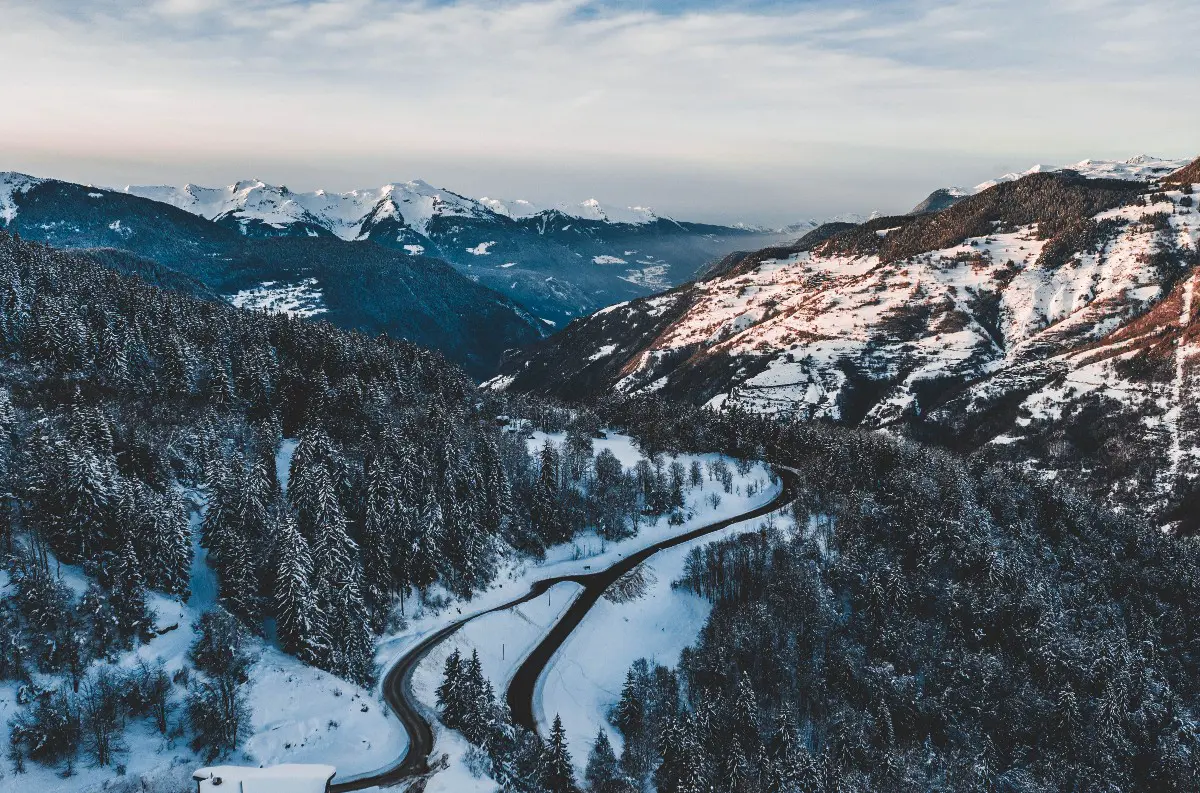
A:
(960, 326)
(559, 261)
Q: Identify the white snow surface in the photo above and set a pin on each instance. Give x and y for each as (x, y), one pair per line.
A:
(583, 680)
(603, 352)
(12, 183)
(285, 778)
(302, 299)
(298, 714)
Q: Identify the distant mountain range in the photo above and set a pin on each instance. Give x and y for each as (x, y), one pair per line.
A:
(356, 285)
(561, 261)
(516, 270)
(1046, 315)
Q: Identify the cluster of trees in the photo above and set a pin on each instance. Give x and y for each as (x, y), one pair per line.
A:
(135, 422)
(57, 723)
(124, 409)
(89, 713)
(1057, 202)
(932, 623)
(519, 760)
(573, 490)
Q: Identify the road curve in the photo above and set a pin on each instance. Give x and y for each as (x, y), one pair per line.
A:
(521, 688)
(397, 683)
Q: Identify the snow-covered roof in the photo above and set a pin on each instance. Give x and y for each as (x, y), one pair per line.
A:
(286, 778)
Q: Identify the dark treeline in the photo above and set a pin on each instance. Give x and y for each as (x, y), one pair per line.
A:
(135, 421)
(932, 624)
(518, 760)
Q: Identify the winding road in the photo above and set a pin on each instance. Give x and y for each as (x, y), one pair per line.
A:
(397, 683)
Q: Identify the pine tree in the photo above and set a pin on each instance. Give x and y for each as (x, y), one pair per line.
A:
(629, 716)
(379, 536)
(603, 773)
(559, 773)
(450, 695)
(128, 591)
(237, 574)
(297, 620)
(163, 532)
(337, 583)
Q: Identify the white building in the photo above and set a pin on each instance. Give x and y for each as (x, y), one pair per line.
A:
(288, 778)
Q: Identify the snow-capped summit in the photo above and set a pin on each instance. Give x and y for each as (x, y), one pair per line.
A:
(253, 201)
(591, 209)
(11, 183)
(1140, 167)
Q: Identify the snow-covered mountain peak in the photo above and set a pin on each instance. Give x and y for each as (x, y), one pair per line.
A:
(513, 208)
(1141, 167)
(590, 209)
(12, 183)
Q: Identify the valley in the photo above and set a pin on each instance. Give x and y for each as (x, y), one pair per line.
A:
(576, 570)
(731, 408)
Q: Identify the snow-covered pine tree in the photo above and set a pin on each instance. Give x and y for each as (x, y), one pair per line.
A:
(337, 583)
(450, 695)
(128, 591)
(603, 772)
(297, 620)
(559, 774)
(381, 515)
(162, 530)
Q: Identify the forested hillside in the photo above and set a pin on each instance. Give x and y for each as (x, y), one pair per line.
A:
(928, 625)
(125, 409)
(356, 285)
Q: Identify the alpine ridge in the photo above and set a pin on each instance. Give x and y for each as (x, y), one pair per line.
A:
(1043, 318)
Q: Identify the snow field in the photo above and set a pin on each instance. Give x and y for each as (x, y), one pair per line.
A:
(584, 678)
(303, 299)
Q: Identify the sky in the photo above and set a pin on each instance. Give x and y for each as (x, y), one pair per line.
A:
(717, 110)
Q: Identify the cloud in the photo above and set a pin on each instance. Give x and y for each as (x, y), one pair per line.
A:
(757, 94)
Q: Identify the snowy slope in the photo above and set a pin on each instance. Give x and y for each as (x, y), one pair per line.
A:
(1141, 167)
(12, 183)
(998, 335)
(504, 638)
(298, 714)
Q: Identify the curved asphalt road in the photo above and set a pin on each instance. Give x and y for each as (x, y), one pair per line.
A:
(397, 683)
